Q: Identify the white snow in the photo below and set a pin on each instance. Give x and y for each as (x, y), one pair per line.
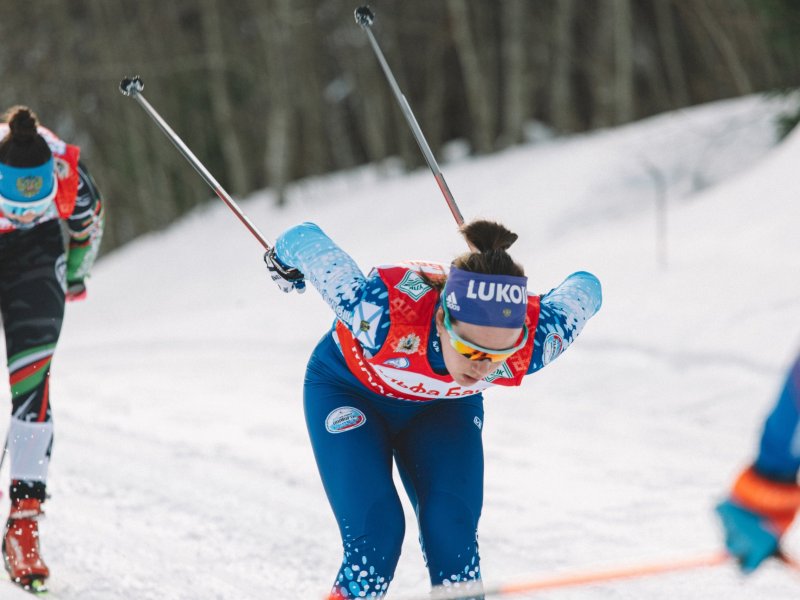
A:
(182, 469)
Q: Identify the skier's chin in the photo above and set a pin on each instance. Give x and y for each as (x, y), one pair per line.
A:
(465, 380)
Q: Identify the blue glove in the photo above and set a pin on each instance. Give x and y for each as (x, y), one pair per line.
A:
(747, 537)
(285, 277)
(755, 516)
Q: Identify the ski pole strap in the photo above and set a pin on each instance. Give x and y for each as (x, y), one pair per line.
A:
(133, 86)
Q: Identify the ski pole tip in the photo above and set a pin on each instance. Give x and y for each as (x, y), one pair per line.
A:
(131, 86)
(364, 16)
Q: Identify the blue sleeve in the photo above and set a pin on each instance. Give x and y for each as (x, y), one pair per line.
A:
(779, 452)
(361, 303)
(564, 311)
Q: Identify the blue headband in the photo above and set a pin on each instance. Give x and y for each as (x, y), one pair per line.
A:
(483, 299)
(27, 184)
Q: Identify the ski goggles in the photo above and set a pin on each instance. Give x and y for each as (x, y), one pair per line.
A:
(473, 351)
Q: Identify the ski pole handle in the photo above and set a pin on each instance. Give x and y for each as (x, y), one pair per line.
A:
(133, 86)
(365, 18)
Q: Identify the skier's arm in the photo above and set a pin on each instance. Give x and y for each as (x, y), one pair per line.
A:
(352, 296)
(765, 497)
(779, 452)
(85, 227)
(564, 311)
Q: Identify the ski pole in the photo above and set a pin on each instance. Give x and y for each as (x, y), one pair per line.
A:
(133, 86)
(579, 579)
(365, 17)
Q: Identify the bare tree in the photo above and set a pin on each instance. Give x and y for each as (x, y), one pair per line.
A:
(221, 104)
(517, 100)
(477, 83)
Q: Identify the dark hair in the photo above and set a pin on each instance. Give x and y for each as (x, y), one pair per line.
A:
(489, 242)
(23, 146)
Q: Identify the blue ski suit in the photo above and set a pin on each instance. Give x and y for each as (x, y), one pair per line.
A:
(356, 433)
(779, 452)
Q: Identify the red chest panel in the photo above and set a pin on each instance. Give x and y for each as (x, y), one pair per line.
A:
(401, 368)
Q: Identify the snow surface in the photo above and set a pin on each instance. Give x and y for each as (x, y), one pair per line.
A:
(181, 467)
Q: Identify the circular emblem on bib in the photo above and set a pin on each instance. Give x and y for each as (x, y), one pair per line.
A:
(344, 419)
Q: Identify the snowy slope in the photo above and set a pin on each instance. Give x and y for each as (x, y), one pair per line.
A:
(181, 468)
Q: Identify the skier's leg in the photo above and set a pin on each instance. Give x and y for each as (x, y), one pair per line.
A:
(32, 305)
(352, 448)
(440, 457)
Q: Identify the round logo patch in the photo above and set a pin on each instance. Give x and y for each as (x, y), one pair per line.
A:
(553, 345)
(344, 419)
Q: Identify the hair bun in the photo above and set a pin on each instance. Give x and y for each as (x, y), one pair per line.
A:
(22, 125)
(488, 236)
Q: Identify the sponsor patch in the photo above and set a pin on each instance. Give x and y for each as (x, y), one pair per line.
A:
(408, 344)
(502, 372)
(344, 419)
(452, 302)
(413, 286)
(398, 363)
(553, 345)
(478, 422)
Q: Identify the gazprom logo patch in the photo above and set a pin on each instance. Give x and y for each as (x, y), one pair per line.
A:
(344, 419)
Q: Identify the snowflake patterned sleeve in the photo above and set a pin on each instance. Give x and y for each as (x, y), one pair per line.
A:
(564, 311)
(352, 296)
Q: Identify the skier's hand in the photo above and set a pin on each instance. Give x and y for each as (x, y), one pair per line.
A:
(285, 277)
(76, 290)
(755, 516)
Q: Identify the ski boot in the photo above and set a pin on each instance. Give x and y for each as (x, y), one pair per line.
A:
(21, 546)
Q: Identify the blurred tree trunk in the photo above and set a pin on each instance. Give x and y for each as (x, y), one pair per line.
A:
(221, 105)
(517, 100)
(306, 89)
(274, 27)
(399, 131)
(476, 83)
(623, 61)
(368, 102)
(601, 67)
(666, 28)
(434, 109)
(562, 109)
(725, 46)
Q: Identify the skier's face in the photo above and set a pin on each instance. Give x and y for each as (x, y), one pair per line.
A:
(462, 368)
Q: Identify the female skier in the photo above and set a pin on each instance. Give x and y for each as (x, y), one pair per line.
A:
(765, 497)
(41, 184)
(401, 375)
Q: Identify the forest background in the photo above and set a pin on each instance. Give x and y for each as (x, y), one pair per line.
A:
(267, 92)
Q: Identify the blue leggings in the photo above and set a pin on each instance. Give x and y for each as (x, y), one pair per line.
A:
(437, 446)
